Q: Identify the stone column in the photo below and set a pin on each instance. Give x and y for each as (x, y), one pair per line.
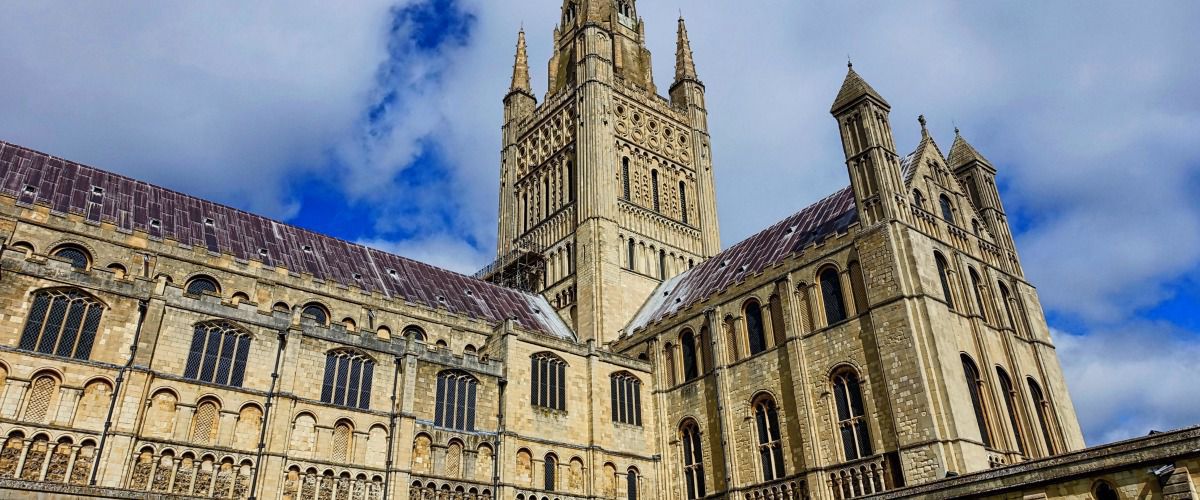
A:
(183, 421)
(68, 399)
(71, 463)
(12, 398)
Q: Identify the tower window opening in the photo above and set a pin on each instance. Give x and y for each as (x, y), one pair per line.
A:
(947, 209)
(625, 177)
(654, 188)
(683, 202)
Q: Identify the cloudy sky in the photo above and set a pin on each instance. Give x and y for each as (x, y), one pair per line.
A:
(379, 122)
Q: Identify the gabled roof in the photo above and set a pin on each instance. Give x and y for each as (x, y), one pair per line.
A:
(854, 87)
(910, 164)
(33, 177)
(961, 153)
(818, 221)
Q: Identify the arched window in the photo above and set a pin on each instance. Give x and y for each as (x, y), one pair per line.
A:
(631, 254)
(315, 312)
(683, 202)
(1105, 491)
(693, 459)
(348, 376)
(546, 198)
(452, 466)
(76, 255)
(343, 435)
(218, 354)
(662, 264)
(62, 323)
(205, 422)
(976, 388)
(1042, 406)
(669, 361)
(570, 181)
(975, 226)
(947, 209)
(857, 286)
(525, 212)
(549, 388)
(631, 484)
(41, 395)
(754, 327)
(1005, 299)
(625, 177)
(777, 329)
(918, 199)
(770, 445)
(731, 343)
(831, 291)
(625, 393)
(978, 295)
(414, 333)
(1011, 403)
(704, 343)
(654, 188)
(200, 285)
(851, 415)
(687, 343)
(942, 269)
(551, 467)
(455, 407)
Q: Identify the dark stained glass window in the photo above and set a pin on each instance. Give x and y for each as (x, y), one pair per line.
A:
(62, 322)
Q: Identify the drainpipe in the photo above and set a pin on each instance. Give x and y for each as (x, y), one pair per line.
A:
(387, 476)
(262, 431)
(499, 435)
(112, 404)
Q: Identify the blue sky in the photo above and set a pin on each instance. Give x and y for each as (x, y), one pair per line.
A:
(378, 121)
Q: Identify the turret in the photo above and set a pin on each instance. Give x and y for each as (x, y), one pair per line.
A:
(687, 94)
(870, 149)
(978, 175)
(519, 104)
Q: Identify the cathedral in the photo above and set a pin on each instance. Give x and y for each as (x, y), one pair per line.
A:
(882, 342)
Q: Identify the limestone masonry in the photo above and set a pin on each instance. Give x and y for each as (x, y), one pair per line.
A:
(882, 342)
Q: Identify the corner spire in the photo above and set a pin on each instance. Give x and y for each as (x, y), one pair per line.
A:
(685, 66)
(520, 76)
(853, 88)
(962, 153)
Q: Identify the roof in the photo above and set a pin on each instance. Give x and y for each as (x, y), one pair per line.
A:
(854, 87)
(33, 177)
(814, 224)
(962, 152)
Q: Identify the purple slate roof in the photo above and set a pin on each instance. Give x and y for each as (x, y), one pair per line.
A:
(33, 177)
(818, 221)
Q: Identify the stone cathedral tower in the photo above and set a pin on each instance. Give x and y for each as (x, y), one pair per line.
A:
(606, 188)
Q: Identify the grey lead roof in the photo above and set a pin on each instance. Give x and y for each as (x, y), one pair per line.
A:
(35, 178)
(832, 215)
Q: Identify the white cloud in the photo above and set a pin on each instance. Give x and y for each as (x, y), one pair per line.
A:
(1083, 106)
(1128, 381)
(227, 100)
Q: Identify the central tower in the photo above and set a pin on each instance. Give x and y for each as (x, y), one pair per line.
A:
(606, 188)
